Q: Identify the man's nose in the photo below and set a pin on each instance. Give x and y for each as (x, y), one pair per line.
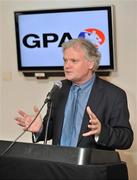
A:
(67, 64)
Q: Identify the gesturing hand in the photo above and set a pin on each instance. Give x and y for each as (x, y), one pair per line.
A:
(94, 124)
(25, 120)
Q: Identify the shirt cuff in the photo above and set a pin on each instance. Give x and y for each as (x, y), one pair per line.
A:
(96, 137)
(36, 135)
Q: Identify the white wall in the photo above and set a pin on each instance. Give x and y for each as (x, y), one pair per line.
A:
(17, 91)
(0, 65)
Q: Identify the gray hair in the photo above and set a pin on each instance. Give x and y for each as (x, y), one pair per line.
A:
(91, 52)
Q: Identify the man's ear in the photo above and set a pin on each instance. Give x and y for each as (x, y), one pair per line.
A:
(90, 64)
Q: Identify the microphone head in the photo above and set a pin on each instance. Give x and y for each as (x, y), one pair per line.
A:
(58, 84)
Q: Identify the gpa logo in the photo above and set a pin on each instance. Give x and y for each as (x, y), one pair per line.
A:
(96, 36)
(44, 40)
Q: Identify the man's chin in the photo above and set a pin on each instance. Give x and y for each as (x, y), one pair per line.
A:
(69, 77)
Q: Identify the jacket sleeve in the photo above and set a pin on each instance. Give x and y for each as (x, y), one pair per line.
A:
(117, 132)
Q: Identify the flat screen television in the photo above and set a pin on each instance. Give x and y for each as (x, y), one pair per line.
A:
(40, 33)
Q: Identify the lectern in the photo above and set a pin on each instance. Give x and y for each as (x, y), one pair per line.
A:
(39, 161)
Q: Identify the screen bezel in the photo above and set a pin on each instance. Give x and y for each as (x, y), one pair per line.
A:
(110, 67)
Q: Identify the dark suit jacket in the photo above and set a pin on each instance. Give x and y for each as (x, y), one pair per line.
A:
(109, 103)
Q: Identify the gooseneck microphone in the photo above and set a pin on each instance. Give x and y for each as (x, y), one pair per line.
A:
(57, 85)
(50, 95)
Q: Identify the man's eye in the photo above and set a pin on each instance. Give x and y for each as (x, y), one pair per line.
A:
(74, 60)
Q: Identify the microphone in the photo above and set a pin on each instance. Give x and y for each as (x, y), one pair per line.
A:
(57, 85)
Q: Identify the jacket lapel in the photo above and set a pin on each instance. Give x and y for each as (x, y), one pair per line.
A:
(93, 103)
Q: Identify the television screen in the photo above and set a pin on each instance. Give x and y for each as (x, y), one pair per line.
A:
(40, 34)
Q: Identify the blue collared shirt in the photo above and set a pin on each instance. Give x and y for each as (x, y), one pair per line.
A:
(83, 97)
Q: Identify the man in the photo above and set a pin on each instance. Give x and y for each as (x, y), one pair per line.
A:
(100, 117)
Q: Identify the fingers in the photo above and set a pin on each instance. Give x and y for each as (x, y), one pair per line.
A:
(29, 122)
(36, 109)
(22, 119)
(22, 113)
(94, 124)
(90, 133)
(90, 113)
(93, 130)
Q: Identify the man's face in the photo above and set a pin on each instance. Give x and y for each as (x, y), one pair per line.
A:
(77, 69)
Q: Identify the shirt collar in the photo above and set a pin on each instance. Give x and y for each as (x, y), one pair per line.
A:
(87, 83)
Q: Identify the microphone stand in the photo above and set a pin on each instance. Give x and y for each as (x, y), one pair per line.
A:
(47, 125)
(10, 146)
